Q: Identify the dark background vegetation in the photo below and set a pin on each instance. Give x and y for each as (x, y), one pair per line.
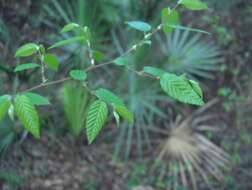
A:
(123, 158)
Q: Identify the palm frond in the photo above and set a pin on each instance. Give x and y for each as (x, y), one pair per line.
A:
(7, 135)
(75, 99)
(188, 54)
(143, 103)
(189, 155)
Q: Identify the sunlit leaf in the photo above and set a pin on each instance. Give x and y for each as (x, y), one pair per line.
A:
(121, 61)
(69, 27)
(139, 25)
(154, 71)
(180, 89)
(27, 114)
(26, 66)
(4, 105)
(169, 17)
(78, 75)
(124, 113)
(196, 88)
(37, 99)
(51, 61)
(193, 4)
(68, 41)
(108, 97)
(96, 118)
(27, 50)
(98, 56)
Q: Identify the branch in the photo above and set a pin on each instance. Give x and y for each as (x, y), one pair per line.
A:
(46, 84)
(93, 67)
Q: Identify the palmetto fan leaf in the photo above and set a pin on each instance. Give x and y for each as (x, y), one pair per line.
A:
(83, 12)
(58, 13)
(187, 154)
(7, 135)
(188, 54)
(223, 5)
(75, 100)
(142, 103)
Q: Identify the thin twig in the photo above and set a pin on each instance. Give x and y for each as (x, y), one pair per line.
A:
(46, 84)
(91, 57)
(93, 67)
(41, 57)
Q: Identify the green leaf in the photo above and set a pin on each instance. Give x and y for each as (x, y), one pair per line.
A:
(121, 61)
(4, 105)
(188, 29)
(98, 56)
(96, 118)
(78, 75)
(180, 89)
(153, 71)
(169, 17)
(124, 113)
(108, 97)
(193, 4)
(196, 87)
(37, 99)
(139, 25)
(51, 61)
(117, 118)
(68, 41)
(26, 66)
(69, 27)
(27, 115)
(27, 50)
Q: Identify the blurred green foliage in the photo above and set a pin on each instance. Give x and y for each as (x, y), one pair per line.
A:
(75, 100)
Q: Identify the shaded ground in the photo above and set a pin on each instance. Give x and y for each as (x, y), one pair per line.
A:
(56, 164)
